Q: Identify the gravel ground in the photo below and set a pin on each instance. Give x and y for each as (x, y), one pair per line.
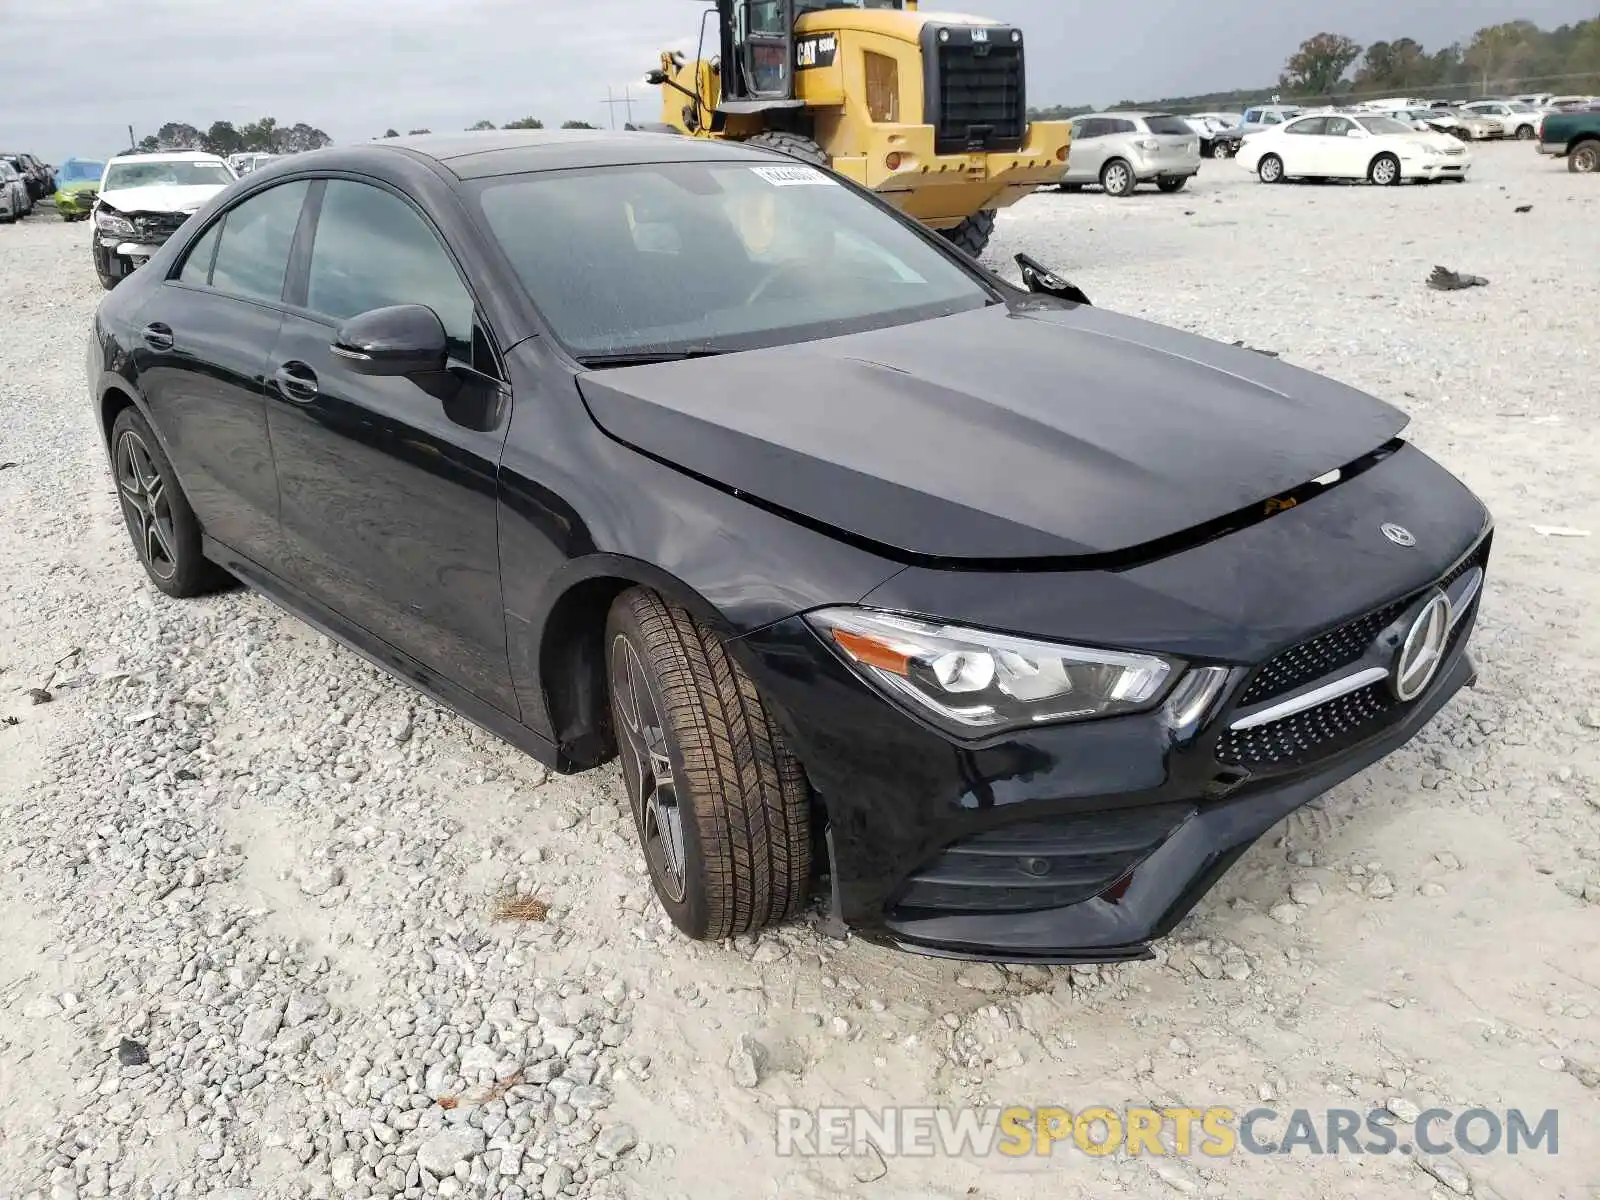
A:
(269, 914)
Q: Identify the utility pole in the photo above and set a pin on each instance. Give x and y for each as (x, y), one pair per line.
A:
(132, 141)
(612, 100)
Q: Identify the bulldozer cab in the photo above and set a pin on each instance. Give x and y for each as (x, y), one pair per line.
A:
(758, 39)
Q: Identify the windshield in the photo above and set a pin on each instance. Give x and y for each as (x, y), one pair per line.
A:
(1385, 125)
(155, 174)
(714, 256)
(79, 170)
(802, 7)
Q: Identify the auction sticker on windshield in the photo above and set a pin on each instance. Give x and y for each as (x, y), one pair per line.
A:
(796, 176)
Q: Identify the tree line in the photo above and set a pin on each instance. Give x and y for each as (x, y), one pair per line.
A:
(1504, 59)
(519, 123)
(265, 136)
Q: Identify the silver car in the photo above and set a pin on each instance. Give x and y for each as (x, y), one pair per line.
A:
(14, 199)
(1121, 150)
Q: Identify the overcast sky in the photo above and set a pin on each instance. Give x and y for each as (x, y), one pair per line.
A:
(77, 72)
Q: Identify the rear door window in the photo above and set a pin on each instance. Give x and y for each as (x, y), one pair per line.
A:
(253, 254)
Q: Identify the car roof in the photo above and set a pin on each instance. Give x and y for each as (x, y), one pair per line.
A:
(481, 155)
(161, 156)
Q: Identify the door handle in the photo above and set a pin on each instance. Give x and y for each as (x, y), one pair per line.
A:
(158, 336)
(297, 381)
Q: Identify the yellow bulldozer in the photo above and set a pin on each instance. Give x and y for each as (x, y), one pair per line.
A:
(927, 109)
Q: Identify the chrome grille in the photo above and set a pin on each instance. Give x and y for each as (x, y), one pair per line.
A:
(1310, 735)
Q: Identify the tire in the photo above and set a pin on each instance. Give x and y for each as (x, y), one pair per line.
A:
(739, 818)
(1585, 158)
(1270, 169)
(162, 526)
(1118, 179)
(1173, 183)
(1220, 150)
(794, 145)
(110, 271)
(1385, 171)
(1524, 133)
(973, 234)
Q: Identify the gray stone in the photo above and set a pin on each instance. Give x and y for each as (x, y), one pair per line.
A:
(615, 1141)
(441, 1152)
(1447, 1171)
(748, 1061)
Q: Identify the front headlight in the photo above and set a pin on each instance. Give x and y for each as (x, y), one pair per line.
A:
(112, 222)
(974, 682)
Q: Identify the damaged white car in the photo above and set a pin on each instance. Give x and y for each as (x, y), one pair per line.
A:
(144, 200)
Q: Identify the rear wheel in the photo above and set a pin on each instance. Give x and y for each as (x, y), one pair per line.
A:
(973, 234)
(1584, 159)
(1117, 178)
(1172, 183)
(1270, 169)
(164, 529)
(1385, 170)
(795, 145)
(721, 806)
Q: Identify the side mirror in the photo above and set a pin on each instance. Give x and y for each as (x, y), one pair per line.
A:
(1042, 281)
(405, 339)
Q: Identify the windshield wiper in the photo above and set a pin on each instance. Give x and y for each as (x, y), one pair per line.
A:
(643, 358)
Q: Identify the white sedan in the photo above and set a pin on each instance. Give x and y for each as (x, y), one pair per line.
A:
(1352, 146)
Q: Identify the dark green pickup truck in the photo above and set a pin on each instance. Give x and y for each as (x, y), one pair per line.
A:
(1574, 136)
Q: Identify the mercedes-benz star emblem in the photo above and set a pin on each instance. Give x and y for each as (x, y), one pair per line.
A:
(1399, 535)
(1423, 649)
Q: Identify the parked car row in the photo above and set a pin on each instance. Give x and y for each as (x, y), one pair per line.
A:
(38, 176)
(15, 202)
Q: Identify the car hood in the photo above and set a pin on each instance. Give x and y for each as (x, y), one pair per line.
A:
(1039, 433)
(164, 198)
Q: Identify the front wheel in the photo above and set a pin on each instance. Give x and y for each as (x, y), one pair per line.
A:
(1524, 133)
(108, 266)
(1173, 183)
(1219, 150)
(1270, 169)
(1584, 159)
(794, 145)
(721, 806)
(1385, 170)
(973, 234)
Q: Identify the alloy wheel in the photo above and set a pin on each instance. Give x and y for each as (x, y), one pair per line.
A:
(1271, 169)
(1117, 179)
(1384, 172)
(145, 504)
(1586, 158)
(647, 769)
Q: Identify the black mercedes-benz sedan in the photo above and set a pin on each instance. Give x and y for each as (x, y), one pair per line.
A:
(1003, 621)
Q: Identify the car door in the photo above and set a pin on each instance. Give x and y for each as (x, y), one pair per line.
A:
(1088, 153)
(1300, 144)
(206, 335)
(1345, 148)
(387, 485)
